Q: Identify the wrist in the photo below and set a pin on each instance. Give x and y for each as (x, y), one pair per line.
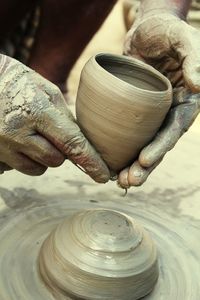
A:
(11, 71)
(4, 63)
(178, 8)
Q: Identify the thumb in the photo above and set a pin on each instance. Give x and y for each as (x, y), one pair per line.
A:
(186, 43)
(60, 128)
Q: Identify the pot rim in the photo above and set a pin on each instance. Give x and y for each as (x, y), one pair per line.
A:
(135, 62)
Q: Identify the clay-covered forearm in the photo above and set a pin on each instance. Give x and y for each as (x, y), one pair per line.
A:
(4, 62)
(176, 7)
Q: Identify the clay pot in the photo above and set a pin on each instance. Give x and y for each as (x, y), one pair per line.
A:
(99, 254)
(121, 103)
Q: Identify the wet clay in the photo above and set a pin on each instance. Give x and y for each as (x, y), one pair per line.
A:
(99, 254)
(120, 105)
(23, 233)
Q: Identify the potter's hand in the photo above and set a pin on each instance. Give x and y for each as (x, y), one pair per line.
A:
(172, 47)
(37, 130)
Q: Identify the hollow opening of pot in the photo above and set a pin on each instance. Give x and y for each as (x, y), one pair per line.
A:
(130, 72)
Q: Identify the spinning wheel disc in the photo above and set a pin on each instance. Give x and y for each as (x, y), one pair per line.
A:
(23, 233)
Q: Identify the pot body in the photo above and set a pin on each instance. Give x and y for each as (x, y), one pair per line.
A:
(121, 103)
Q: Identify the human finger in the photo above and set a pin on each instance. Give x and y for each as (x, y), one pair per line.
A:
(42, 151)
(60, 128)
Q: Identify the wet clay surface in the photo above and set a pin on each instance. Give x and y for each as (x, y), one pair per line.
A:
(117, 110)
(167, 206)
(24, 229)
(99, 254)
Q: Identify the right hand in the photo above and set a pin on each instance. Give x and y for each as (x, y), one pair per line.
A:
(37, 130)
(172, 47)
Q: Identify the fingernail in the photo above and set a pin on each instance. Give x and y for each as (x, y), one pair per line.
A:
(103, 178)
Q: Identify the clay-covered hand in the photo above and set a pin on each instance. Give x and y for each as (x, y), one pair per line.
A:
(37, 130)
(172, 47)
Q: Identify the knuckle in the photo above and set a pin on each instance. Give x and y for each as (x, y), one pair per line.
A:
(145, 162)
(56, 91)
(75, 146)
(79, 151)
(137, 175)
(55, 96)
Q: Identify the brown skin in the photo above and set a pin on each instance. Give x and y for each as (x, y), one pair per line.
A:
(159, 37)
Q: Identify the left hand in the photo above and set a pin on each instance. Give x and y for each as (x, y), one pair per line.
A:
(172, 47)
(37, 129)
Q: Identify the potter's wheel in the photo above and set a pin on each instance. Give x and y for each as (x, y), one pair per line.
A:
(23, 232)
